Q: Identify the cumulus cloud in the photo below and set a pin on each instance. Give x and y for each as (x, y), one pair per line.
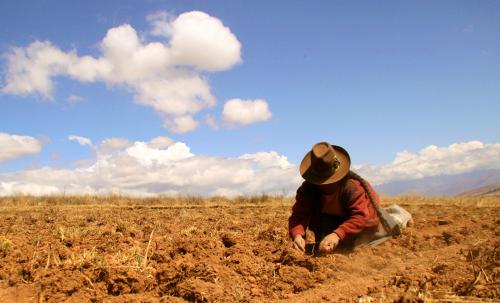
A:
(244, 112)
(163, 166)
(148, 156)
(166, 75)
(15, 146)
(268, 159)
(160, 142)
(433, 161)
(159, 166)
(13, 188)
(181, 124)
(200, 40)
(80, 140)
(111, 144)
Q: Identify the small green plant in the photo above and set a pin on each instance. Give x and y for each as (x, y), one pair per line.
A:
(139, 259)
(86, 259)
(68, 235)
(5, 246)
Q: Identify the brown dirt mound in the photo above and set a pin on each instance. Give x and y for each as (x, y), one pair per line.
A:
(232, 254)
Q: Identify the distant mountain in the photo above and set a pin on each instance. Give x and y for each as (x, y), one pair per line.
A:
(492, 190)
(444, 185)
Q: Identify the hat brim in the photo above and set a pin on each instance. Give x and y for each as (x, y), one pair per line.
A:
(309, 175)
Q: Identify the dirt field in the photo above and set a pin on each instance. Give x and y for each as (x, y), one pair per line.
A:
(239, 252)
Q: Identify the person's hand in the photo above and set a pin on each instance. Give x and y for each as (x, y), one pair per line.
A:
(299, 243)
(329, 243)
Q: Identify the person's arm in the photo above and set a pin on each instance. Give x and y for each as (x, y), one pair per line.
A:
(301, 210)
(361, 213)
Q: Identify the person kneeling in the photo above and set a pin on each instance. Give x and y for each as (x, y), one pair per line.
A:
(338, 206)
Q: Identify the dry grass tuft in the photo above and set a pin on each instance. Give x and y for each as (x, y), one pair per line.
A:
(5, 246)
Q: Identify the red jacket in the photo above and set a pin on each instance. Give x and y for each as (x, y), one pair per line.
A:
(348, 201)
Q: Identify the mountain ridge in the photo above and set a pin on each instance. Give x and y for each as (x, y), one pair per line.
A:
(491, 190)
(443, 185)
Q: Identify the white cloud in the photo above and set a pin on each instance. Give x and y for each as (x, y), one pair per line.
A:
(181, 124)
(111, 144)
(196, 31)
(268, 159)
(160, 142)
(162, 166)
(165, 75)
(29, 70)
(81, 140)
(13, 188)
(147, 155)
(14, 146)
(141, 169)
(244, 112)
(433, 161)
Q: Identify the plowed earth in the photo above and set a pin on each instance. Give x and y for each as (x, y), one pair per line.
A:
(236, 253)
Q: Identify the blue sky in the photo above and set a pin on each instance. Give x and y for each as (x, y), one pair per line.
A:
(378, 78)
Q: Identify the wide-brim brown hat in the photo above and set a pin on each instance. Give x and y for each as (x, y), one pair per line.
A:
(325, 164)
